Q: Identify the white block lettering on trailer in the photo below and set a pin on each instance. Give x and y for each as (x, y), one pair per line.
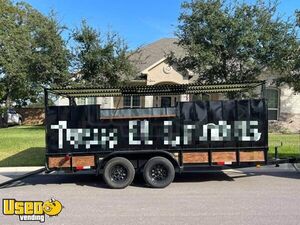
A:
(242, 131)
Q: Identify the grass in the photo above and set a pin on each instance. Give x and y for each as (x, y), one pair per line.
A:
(290, 144)
(25, 145)
(22, 146)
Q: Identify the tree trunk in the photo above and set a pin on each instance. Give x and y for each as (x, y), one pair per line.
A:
(8, 101)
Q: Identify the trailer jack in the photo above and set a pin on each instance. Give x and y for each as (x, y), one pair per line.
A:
(277, 159)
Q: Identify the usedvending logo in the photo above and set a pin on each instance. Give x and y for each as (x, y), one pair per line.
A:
(31, 210)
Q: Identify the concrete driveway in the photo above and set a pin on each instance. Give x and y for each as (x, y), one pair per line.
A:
(264, 195)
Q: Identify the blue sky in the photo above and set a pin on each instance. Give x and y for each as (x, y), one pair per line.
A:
(139, 22)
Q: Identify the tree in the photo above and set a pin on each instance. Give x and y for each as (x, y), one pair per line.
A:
(13, 49)
(100, 61)
(292, 76)
(235, 42)
(32, 53)
(49, 61)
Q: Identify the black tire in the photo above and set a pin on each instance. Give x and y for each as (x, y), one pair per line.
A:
(158, 172)
(118, 173)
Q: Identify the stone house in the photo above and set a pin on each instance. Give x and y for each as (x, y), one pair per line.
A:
(153, 69)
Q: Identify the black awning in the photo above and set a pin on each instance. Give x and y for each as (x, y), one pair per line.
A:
(166, 89)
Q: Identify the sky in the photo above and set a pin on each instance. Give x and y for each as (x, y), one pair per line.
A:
(139, 22)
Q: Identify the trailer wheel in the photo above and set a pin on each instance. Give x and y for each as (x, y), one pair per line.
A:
(159, 172)
(118, 173)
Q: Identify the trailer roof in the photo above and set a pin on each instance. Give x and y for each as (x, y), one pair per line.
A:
(164, 89)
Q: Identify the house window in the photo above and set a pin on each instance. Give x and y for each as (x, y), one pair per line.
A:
(136, 101)
(166, 102)
(205, 97)
(273, 98)
(81, 101)
(91, 100)
(131, 101)
(86, 101)
(201, 97)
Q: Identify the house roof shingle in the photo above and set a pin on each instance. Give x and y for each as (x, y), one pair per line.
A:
(154, 52)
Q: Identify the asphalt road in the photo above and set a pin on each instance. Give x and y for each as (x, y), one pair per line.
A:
(264, 195)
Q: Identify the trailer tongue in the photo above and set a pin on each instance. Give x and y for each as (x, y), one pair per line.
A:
(157, 141)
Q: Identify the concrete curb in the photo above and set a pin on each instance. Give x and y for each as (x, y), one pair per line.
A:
(20, 177)
(21, 169)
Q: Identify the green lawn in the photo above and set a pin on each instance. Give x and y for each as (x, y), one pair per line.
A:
(290, 144)
(24, 145)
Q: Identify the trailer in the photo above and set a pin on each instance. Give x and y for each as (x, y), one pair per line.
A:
(156, 141)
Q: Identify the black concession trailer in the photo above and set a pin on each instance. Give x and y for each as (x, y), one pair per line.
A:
(156, 141)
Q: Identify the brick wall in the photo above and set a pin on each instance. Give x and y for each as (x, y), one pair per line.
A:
(32, 116)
